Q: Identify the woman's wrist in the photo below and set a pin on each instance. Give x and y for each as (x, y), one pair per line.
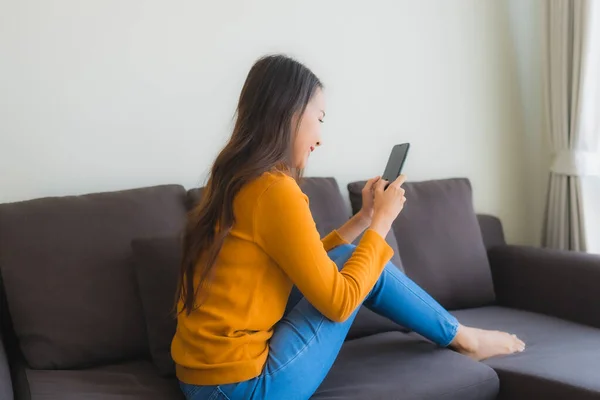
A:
(363, 218)
(354, 227)
(381, 225)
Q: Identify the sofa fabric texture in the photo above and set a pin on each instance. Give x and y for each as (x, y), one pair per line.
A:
(66, 267)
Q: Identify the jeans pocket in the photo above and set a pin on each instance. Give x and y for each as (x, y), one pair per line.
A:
(196, 392)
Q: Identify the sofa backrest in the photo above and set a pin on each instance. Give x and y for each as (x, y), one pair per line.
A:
(440, 241)
(66, 265)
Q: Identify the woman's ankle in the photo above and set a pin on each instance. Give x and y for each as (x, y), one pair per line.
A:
(464, 341)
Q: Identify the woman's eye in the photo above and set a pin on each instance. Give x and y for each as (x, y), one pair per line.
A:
(320, 120)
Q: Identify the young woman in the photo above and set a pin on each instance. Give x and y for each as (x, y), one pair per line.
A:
(265, 303)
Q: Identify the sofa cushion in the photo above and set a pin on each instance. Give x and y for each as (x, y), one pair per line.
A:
(133, 380)
(440, 242)
(395, 365)
(69, 280)
(561, 360)
(156, 265)
(377, 367)
(193, 197)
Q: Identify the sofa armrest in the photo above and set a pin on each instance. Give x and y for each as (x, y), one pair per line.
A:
(558, 283)
(491, 230)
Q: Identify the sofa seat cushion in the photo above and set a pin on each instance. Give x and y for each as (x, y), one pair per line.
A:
(561, 360)
(129, 381)
(384, 366)
(395, 365)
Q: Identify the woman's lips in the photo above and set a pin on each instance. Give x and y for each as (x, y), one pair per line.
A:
(312, 148)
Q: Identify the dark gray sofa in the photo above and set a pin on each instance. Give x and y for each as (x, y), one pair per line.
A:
(87, 283)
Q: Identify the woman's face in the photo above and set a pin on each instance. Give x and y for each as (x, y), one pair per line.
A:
(308, 137)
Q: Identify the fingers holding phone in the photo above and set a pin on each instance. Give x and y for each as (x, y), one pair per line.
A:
(388, 199)
(398, 182)
(368, 198)
(389, 202)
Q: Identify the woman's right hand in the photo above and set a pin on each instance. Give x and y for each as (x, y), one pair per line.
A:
(387, 204)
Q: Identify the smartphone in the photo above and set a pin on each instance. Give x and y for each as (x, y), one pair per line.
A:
(396, 162)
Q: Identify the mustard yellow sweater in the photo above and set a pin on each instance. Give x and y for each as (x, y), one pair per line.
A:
(273, 245)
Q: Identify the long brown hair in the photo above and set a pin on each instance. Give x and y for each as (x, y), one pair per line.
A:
(277, 89)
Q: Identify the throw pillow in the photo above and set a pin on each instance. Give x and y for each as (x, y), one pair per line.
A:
(156, 263)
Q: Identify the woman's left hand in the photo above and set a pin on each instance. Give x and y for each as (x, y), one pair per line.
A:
(368, 196)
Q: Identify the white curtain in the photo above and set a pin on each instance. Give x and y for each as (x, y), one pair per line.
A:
(572, 83)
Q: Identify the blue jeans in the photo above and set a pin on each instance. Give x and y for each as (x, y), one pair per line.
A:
(305, 343)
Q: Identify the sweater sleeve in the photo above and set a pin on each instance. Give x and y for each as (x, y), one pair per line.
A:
(332, 240)
(285, 230)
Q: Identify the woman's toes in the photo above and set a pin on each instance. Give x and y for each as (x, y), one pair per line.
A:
(519, 344)
(513, 343)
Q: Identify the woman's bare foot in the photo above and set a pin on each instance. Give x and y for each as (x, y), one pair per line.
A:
(480, 344)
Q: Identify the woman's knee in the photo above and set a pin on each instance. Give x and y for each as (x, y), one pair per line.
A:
(341, 253)
(346, 247)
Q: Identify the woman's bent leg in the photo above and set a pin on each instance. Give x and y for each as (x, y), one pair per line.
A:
(302, 350)
(398, 298)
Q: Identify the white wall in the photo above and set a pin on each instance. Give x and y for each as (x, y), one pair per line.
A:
(114, 94)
